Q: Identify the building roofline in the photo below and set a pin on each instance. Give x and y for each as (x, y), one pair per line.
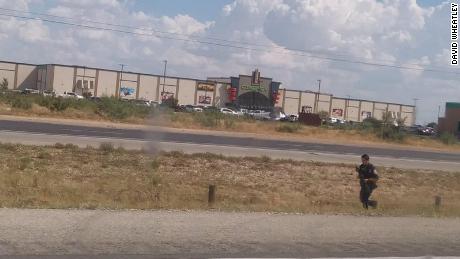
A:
(19, 63)
(372, 101)
(128, 72)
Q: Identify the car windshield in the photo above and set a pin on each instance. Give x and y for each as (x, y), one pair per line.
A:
(229, 129)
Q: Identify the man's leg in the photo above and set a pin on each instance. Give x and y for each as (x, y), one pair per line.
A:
(364, 195)
(372, 203)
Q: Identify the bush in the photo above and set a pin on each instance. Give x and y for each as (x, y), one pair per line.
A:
(289, 128)
(229, 123)
(21, 103)
(371, 123)
(208, 119)
(448, 139)
(393, 134)
(114, 108)
(106, 147)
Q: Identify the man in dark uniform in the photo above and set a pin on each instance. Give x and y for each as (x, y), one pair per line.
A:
(368, 180)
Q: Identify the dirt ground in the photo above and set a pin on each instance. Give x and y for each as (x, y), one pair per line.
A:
(68, 177)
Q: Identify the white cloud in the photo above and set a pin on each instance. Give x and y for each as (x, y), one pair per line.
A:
(381, 31)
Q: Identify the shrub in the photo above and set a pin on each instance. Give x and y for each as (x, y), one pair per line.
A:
(229, 123)
(114, 108)
(289, 128)
(106, 147)
(208, 119)
(21, 103)
(371, 123)
(392, 134)
(448, 139)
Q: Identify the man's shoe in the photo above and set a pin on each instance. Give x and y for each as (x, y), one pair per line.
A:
(373, 204)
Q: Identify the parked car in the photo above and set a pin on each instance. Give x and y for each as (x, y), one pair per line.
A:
(198, 109)
(71, 95)
(333, 120)
(30, 91)
(260, 115)
(293, 118)
(278, 116)
(228, 111)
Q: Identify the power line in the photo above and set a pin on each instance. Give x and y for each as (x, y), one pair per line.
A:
(286, 51)
(207, 38)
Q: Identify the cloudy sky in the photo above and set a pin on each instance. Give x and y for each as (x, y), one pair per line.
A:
(250, 34)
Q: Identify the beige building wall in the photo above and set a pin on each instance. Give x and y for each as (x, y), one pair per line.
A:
(221, 95)
(186, 94)
(380, 109)
(63, 79)
(107, 83)
(129, 82)
(148, 88)
(367, 110)
(352, 111)
(307, 100)
(291, 102)
(27, 76)
(85, 80)
(324, 103)
(7, 71)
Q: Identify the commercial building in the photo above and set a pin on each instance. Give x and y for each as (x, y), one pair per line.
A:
(450, 123)
(245, 91)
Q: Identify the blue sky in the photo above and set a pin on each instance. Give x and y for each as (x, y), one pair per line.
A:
(403, 32)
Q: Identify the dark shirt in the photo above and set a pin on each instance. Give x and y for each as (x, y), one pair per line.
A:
(367, 171)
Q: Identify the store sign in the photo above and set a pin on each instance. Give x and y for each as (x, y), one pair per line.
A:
(127, 91)
(204, 99)
(205, 87)
(253, 88)
(337, 112)
(366, 115)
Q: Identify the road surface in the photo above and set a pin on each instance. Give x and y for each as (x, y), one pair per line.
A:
(218, 234)
(39, 133)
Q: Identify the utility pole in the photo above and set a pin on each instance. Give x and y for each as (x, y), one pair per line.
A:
(319, 85)
(415, 109)
(121, 78)
(439, 111)
(164, 80)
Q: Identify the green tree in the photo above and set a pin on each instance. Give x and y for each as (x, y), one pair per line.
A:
(4, 84)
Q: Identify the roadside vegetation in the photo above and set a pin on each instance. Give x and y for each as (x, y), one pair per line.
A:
(65, 176)
(371, 131)
(105, 108)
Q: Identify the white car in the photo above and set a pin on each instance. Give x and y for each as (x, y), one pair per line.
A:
(228, 111)
(197, 109)
(71, 95)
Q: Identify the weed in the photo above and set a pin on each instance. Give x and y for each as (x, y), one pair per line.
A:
(289, 128)
(44, 155)
(448, 139)
(106, 147)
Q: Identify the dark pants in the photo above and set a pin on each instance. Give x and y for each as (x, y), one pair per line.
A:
(365, 193)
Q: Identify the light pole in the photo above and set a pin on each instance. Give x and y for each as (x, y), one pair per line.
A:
(164, 80)
(415, 109)
(319, 85)
(121, 77)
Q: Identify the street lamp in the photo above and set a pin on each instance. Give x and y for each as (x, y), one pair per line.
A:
(121, 77)
(164, 80)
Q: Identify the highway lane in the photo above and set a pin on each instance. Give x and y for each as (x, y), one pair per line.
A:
(175, 137)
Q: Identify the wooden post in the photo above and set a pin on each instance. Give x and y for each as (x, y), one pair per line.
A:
(211, 195)
(437, 202)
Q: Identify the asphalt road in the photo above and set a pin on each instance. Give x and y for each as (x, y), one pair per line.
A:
(174, 137)
(194, 234)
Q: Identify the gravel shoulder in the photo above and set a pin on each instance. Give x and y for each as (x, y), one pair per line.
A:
(210, 234)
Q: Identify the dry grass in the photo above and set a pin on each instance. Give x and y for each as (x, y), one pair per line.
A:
(64, 176)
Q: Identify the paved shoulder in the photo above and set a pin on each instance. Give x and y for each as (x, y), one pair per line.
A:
(218, 234)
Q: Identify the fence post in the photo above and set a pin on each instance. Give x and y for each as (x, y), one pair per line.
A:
(437, 202)
(211, 195)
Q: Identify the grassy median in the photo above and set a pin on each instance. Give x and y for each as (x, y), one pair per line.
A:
(65, 176)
